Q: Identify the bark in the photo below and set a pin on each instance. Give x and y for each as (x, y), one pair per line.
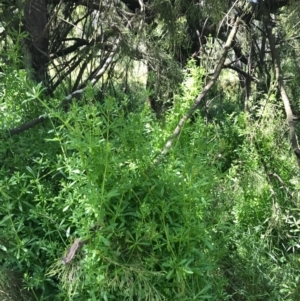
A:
(37, 42)
(78, 243)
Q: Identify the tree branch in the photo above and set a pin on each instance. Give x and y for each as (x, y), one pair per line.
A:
(66, 101)
(281, 86)
(97, 75)
(26, 126)
(196, 103)
(74, 47)
(245, 74)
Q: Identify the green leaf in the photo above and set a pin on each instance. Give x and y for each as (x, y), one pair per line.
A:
(170, 273)
(3, 248)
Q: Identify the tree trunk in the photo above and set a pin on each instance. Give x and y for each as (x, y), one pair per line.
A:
(36, 44)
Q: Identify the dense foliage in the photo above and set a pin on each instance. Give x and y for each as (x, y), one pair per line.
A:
(92, 207)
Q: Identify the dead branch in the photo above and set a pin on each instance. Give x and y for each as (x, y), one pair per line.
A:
(283, 93)
(78, 243)
(26, 126)
(66, 101)
(97, 74)
(196, 103)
